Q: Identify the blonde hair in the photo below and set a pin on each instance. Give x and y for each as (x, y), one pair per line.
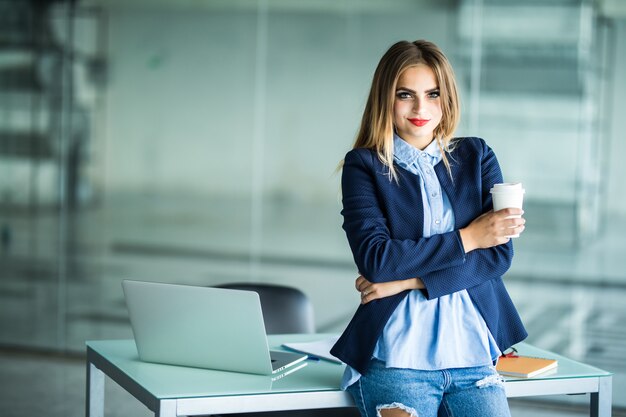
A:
(376, 131)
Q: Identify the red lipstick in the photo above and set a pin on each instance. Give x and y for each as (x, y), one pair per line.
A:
(419, 122)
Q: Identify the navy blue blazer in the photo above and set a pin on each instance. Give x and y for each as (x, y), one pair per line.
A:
(383, 221)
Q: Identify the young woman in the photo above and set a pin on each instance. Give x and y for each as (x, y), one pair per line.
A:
(434, 314)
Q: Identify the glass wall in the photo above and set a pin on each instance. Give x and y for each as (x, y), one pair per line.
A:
(199, 144)
(50, 101)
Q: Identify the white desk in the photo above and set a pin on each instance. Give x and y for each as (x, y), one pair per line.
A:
(171, 391)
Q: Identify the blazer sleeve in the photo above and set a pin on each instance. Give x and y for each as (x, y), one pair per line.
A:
(480, 265)
(379, 257)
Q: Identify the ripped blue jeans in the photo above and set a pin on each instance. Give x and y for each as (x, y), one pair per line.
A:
(457, 392)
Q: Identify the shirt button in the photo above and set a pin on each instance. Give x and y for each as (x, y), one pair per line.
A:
(433, 195)
(437, 221)
(423, 154)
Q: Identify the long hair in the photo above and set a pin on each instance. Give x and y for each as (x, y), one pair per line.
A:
(376, 131)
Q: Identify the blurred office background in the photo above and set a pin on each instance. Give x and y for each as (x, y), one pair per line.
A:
(196, 142)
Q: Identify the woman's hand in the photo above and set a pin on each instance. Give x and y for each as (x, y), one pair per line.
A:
(492, 229)
(373, 291)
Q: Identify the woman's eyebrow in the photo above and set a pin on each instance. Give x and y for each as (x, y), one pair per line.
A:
(432, 90)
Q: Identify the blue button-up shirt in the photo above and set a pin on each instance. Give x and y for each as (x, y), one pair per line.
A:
(445, 332)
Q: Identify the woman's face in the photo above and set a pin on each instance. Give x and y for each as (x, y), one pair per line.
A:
(417, 106)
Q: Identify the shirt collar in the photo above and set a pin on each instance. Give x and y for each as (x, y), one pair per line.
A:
(406, 154)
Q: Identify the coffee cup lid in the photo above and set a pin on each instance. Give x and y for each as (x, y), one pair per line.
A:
(508, 187)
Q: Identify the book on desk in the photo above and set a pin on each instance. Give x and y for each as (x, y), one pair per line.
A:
(520, 366)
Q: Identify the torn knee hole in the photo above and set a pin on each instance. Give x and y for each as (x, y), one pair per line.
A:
(489, 381)
(395, 410)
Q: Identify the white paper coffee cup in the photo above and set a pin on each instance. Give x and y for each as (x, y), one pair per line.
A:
(507, 195)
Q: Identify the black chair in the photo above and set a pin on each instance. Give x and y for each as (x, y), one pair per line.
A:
(287, 310)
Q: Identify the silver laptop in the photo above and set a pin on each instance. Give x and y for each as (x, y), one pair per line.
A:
(203, 327)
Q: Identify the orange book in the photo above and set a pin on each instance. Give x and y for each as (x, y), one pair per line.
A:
(524, 366)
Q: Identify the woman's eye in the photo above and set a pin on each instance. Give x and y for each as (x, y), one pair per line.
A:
(403, 95)
(433, 94)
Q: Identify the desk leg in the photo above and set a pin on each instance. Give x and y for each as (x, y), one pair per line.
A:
(95, 392)
(167, 408)
(601, 400)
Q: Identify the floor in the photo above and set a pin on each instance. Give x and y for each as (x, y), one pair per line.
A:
(55, 296)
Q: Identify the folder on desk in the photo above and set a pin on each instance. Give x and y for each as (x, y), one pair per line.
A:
(524, 366)
(319, 349)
